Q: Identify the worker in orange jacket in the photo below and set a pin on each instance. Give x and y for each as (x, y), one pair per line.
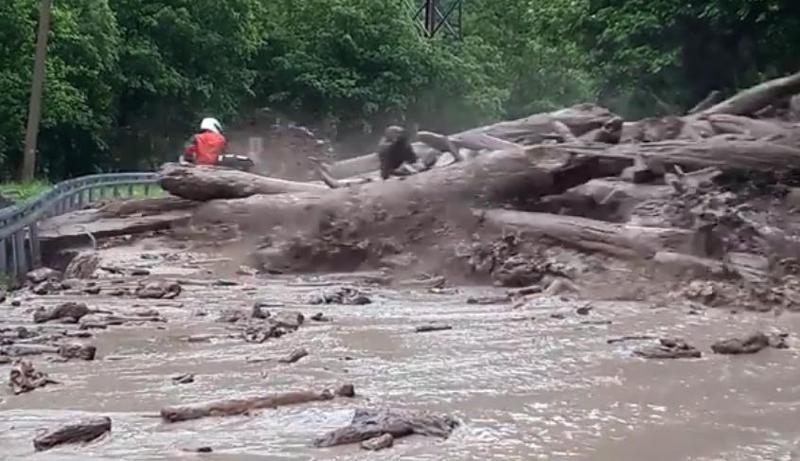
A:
(205, 147)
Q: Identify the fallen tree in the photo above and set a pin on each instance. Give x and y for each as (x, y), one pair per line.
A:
(209, 182)
(620, 240)
(753, 99)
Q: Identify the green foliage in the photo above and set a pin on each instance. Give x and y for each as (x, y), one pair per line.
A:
(128, 80)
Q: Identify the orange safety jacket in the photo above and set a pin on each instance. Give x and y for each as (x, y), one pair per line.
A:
(205, 147)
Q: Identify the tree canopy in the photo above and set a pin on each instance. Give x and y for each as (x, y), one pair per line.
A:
(127, 80)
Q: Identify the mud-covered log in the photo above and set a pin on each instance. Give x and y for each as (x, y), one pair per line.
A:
(208, 182)
(772, 130)
(232, 407)
(368, 424)
(496, 177)
(78, 432)
(534, 129)
(615, 239)
(724, 152)
(752, 99)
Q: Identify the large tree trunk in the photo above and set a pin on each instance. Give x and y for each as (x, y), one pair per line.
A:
(749, 101)
(724, 152)
(496, 177)
(620, 240)
(203, 183)
(534, 129)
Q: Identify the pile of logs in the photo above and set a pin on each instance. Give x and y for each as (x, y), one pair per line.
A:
(544, 159)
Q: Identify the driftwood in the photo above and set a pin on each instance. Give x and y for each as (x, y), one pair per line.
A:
(23, 377)
(619, 240)
(209, 182)
(368, 424)
(241, 406)
(753, 99)
(78, 432)
(70, 310)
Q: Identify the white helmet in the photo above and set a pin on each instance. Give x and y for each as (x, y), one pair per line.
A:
(211, 124)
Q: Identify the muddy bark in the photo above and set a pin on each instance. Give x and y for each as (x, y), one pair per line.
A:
(368, 424)
(725, 152)
(240, 406)
(749, 101)
(620, 240)
(496, 177)
(203, 183)
(772, 130)
(79, 432)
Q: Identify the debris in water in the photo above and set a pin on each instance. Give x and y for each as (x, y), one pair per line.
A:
(158, 290)
(517, 272)
(240, 406)
(82, 265)
(320, 317)
(631, 338)
(25, 378)
(669, 349)
(346, 390)
(45, 288)
(259, 312)
(432, 327)
(42, 275)
(368, 424)
(484, 300)
(584, 310)
(231, 316)
(378, 443)
(70, 309)
(198, 450)
(77, 351)
(78, 432)
(294, 356)
(750, 344)
(344, 295)
(183, 379)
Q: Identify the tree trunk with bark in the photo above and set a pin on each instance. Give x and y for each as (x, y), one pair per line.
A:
(203, 183)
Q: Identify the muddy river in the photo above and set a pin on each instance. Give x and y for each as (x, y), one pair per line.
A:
(526, 385)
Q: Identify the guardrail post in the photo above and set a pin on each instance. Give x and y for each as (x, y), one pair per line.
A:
(91, 194)
(21, 253)
(36, 249)
(130, 190)
(3, 257)
(102, 191)
(115, 191)
(147, 190)
(14, 257)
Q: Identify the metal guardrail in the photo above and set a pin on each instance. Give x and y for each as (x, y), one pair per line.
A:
(19, 237)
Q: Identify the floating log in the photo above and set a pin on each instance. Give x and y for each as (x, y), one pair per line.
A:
(78, 432)
(368, 424)
(232, 407)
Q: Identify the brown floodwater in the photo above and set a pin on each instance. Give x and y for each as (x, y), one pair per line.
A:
(525, 385)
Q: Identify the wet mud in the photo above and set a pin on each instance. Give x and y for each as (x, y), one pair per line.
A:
(525, 380)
